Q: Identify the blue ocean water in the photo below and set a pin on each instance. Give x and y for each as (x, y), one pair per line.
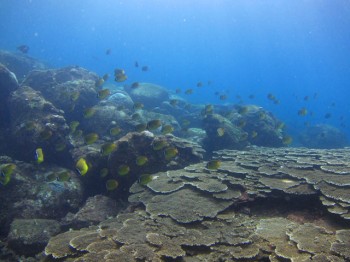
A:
(291, 49)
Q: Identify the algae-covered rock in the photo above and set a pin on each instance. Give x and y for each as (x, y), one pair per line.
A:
(233, 137)
(153, 148)
(263, 128)
(106, 117)
(95, 210)
(36, 192)
(35, 122)
(30, 236)
(71, 89)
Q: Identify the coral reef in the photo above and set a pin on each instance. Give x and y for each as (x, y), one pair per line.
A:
(228, 214)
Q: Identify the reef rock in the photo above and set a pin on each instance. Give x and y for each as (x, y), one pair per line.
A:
(71, 89)
(107, 116)
(149, 94)
(262, 127)
(233, 137)
(20, 64)
(8, 84)
(35, 122)
(323, 136)
(30, 236)
(95, 210)
(134, 145)
(36, 192)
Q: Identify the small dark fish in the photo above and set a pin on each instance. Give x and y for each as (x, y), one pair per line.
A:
(144, 68)
(199, 84)
(29, 125)
(120, 75)
(108, 51)
(108, 148)
(189, 91)
(213, 164)
(103, 93)
(23, 48)
(105, 77)
(154, 124)
(327, 115)
(254, 134)
(120, 78)
(111, 184)
(74, 95)
(73, 126)
(220, 131)
(306, 98)
(141, 127)
(135, 85)
(136, 116)
(185, 122)
(262, 115)
(173, 102)
(104, 172)
(159, 144)
(89, 112)
(145, 179)
(243, 110)
(208, 110)
(178, 91)
(46, 134)
(302, 112)
(114, 131)
(123, 170)
(167, 129)
(241, 123)
(223, 97)
(251, 96)
(63, 176)
(136, 64)
(60, 146)
(170, 152)
(99, 82)
(141, 160)
(138, 106)
(271, 96)
(91, 138)
(287, 140)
